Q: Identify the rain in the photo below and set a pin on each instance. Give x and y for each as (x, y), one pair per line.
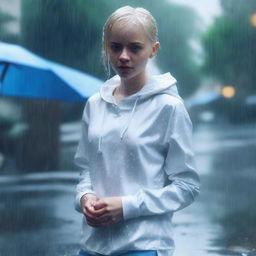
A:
(208, 47)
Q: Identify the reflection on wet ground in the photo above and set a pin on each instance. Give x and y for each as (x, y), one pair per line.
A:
(223, 218)
(37, 215)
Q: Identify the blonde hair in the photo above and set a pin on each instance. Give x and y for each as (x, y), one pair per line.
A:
(128, 14)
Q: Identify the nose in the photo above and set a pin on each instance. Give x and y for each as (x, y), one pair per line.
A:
(124, 55)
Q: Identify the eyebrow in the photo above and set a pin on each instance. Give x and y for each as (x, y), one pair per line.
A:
(140, 43)
(130, 43)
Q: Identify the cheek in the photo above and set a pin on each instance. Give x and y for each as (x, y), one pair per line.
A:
(143, 60)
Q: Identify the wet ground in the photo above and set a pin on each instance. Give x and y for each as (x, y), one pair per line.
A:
(37, 215)
(223, 219)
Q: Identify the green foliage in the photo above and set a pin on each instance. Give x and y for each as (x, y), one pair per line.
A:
(229, 45)
(3, 19)
(60, 30)
(238, 8)
(177, 28)
(4, 33)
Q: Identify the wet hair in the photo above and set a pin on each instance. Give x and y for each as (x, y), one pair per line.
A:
(128, 14)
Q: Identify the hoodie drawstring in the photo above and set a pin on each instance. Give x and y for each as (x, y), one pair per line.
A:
(130, 119)
(125, 128)
(102, 125)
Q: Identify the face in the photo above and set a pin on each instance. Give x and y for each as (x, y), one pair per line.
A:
(129, 50)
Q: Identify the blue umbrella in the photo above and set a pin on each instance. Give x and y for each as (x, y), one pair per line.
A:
(25, 74)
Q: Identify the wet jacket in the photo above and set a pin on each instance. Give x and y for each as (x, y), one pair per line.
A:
(140, 150)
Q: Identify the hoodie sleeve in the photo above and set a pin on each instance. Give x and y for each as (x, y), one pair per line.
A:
(183, 181)
(81, 160)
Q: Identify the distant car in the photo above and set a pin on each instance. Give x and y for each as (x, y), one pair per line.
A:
(250, 106)
(220, 109)
(207, 108)
(11, 126)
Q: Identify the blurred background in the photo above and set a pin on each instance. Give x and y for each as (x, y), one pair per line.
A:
(209, 46)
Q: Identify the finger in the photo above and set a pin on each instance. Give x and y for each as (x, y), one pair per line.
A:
(104, 216)
(90, 209)
(95, 216)
(92, 219)
(98, 225)
(100, 212)
(89, 214)
(93, 224)
(100, 204)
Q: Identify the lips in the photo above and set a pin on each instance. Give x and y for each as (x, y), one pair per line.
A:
(124, 67)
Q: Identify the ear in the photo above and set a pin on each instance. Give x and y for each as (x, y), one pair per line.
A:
(155, 49)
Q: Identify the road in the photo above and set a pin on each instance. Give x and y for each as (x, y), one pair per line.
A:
(38, 218)
(222, 221)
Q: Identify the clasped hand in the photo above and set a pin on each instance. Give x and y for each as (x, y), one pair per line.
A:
(100, 212)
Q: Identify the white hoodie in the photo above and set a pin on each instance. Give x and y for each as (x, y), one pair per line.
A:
(139, 149)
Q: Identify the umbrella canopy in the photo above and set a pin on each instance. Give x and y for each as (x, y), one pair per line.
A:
(25, 74)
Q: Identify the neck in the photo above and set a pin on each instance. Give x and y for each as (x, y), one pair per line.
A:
(133, 85)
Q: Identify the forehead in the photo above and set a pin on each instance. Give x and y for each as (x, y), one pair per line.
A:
(125, 32)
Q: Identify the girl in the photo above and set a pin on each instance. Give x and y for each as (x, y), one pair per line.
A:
(135, 150)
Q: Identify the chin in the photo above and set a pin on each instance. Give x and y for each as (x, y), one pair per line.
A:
(129, 75)
(125, 75)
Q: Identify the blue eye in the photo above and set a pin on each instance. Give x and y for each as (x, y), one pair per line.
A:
(115, 47)
(135, 48)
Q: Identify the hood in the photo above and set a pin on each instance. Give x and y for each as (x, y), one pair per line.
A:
(158, 84)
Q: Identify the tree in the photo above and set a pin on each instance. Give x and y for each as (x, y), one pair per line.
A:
(67, 32)
(237, 8)
(45, 30)
(178, 27)
(5, 35)
(230, 47)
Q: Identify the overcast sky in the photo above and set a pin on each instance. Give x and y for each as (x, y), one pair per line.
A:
(207, 9)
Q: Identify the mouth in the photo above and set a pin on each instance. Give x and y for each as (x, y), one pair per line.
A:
(124, 67)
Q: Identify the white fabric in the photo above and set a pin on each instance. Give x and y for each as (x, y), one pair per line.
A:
(139, 149)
